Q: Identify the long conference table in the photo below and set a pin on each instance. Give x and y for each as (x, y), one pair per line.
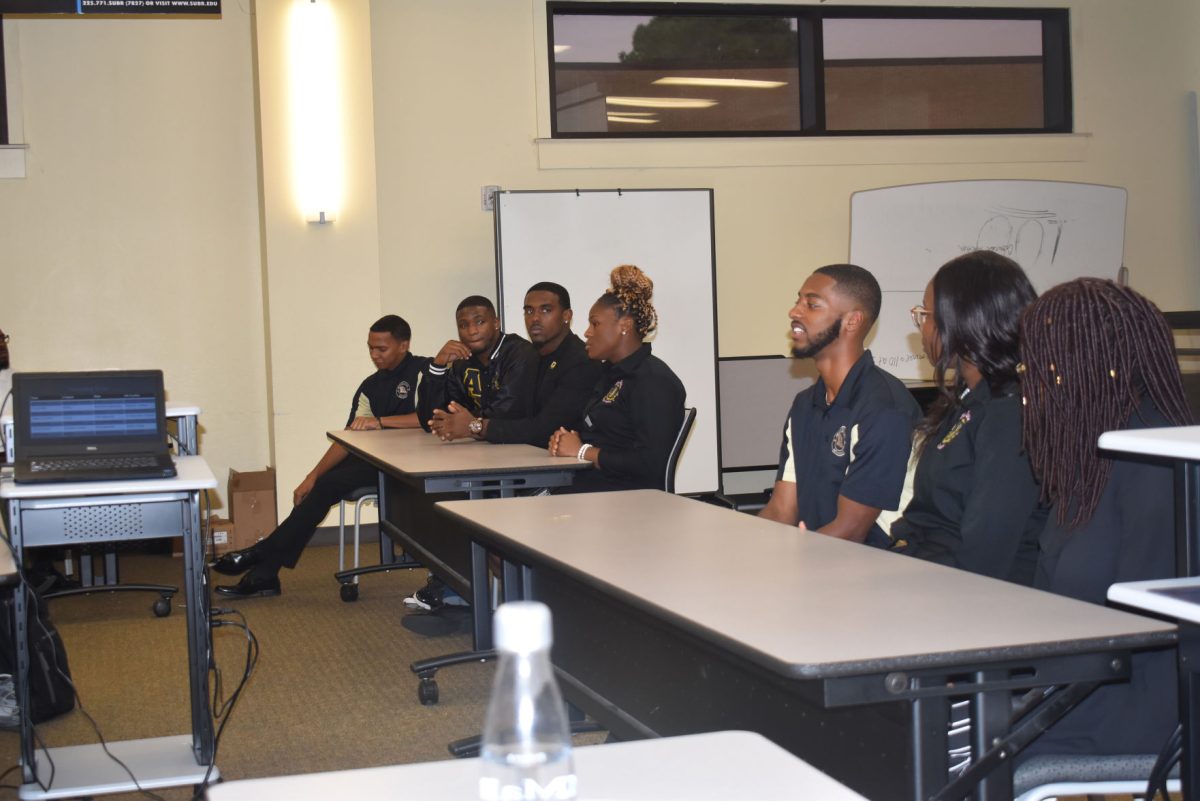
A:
(718, 766)
(417, 469)
(673, 616)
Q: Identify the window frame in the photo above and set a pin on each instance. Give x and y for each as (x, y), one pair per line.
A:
(3, 90)
(1057, 97)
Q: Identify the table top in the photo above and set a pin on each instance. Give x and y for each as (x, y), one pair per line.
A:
(193, 473)
(1177, 597)
(801, 604)
(717, 766)
(418, 453)
(1178, 442)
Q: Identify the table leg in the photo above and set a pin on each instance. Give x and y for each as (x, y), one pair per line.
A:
(1187, 518)
(199, 635)
(481, 607)
(930, 716)
(21, 624)
(1189, 714)
(990, 716)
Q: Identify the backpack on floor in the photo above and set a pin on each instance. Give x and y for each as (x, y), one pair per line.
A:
(50, 690)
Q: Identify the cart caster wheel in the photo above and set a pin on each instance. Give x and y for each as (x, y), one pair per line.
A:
(162, 607)
(427, 692)
(349, 592)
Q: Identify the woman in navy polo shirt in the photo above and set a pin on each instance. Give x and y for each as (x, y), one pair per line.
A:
(975, 501)
(630, 423)
(1100, 357)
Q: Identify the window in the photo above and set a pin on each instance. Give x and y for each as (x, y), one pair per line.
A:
(631, 70)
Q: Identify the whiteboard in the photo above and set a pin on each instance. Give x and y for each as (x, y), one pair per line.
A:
(1055, 230)
(575, 238)
(754, 409)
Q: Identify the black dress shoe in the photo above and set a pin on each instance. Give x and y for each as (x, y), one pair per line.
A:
(235, 563)
(251, 586)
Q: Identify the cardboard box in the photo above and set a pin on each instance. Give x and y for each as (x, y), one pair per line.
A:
(252, 504)
(219, 536)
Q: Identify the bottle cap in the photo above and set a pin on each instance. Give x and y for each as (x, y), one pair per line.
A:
(522, 627)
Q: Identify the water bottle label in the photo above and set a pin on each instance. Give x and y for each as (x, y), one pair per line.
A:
(560, 788)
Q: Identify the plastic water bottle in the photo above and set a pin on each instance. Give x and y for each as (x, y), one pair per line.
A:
(526, 753)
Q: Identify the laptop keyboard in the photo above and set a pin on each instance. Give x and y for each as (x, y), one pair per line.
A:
(92, 463)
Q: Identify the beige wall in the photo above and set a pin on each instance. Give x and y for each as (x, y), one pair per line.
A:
(134, 239)
(456, 109)
(322, 281)
(146, 234)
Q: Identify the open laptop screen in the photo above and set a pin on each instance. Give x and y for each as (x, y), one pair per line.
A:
(89, 412)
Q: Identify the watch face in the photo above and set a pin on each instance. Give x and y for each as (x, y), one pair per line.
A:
(475, 426)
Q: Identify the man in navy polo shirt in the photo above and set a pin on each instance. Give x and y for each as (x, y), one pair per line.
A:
(848, 437)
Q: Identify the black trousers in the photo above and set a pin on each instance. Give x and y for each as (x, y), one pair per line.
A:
(285, 544)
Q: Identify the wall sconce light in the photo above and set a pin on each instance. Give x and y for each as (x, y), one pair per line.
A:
(318, 166)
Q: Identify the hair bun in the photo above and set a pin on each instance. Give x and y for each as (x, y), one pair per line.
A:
(628, 278)
(631, 290)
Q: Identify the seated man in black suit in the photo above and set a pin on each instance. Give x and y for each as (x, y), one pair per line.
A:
(494, 386)
(386, 399)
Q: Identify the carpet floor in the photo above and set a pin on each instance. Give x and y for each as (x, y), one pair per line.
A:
(332, 688)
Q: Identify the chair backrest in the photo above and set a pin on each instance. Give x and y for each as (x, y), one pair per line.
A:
(689, 417)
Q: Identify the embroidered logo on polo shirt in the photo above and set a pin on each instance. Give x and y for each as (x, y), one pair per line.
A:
(953, 432)
(402, 390)
(614, 392)
(838, 444)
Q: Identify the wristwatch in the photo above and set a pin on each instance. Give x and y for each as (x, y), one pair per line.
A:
(475, 426)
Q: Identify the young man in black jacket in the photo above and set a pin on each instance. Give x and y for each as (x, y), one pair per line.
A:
(489, 373)
(386, 399)
(485, 374)
(565, 378)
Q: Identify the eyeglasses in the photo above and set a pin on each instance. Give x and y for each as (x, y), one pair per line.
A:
(919, 315)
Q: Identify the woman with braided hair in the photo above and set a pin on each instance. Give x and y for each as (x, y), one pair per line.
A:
(1100, 357)
(628, 426)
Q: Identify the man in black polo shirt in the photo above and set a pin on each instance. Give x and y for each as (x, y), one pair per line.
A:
(565, 377)
(386, 399)
(848, 438)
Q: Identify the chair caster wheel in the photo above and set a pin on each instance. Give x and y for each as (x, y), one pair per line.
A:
(349, 592)
(162, 607)
(427, 692)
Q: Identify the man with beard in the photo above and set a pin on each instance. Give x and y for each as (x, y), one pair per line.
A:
(565, 377)
(848, 438)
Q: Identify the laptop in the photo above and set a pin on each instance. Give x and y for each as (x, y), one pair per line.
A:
(90, 426)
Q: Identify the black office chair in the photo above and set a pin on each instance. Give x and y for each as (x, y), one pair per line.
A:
(689, 417)
(348, 579)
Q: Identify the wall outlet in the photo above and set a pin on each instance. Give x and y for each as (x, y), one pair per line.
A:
(487, 197)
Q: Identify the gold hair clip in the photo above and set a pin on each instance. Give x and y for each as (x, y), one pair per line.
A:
(1021, 368)
(1112, 373)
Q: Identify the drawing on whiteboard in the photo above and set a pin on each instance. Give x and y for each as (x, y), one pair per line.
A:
(1021, 234)
(1055, 230)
